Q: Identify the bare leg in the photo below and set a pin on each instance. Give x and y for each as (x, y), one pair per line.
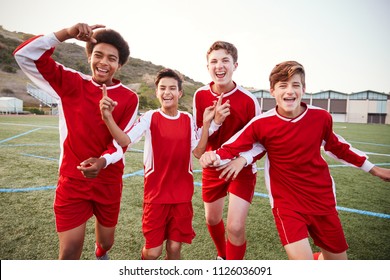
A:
(71, 243)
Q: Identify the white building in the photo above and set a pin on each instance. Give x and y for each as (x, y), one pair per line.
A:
(359, 107)
(11, 105)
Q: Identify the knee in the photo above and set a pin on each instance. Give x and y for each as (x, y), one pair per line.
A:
(173, 247)
(212, 220)
(151, 254)
(70, 251)
(236, 229)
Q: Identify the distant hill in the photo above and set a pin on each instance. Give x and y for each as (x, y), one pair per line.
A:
(136, 74)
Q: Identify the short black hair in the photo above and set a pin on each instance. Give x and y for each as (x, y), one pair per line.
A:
(113, 38)
(166, 72)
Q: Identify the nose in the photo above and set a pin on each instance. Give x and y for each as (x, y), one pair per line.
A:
(104, 60)
(219, 64)
(290, 89)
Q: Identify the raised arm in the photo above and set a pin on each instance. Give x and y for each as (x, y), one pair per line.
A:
(79, 31)
(208, 116)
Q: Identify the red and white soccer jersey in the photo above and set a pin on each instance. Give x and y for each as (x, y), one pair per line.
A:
(297, 176)
(83, 134)
(169, 142)
(243, 107)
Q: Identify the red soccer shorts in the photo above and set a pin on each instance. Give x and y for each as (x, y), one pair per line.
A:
(77, 200)
(214, 188)
(167, 222)
(325, 230)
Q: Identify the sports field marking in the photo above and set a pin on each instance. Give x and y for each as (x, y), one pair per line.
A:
(28, 145)
(198, 184)
(19, 135)
(31, 125)
(372, 144)
(35, 156)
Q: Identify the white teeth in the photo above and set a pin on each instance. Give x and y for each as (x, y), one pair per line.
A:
(102, 70)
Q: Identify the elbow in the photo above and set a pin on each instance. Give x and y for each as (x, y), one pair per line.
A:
(125, 142)
(197, 153)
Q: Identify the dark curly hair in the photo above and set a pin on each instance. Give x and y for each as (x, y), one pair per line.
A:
(113, 38)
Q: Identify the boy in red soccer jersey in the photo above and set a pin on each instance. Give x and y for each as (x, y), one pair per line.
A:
(236, 107)
(87, 185)
(170, 137)
(301, 189)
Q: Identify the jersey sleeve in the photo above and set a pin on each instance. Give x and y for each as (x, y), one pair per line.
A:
(139, 129)
(336, 147)
(243, 143)
(34, 58)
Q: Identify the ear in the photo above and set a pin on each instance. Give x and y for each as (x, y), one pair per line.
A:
(180, 93)
(271, 90)
(89, 58)
(235, 66)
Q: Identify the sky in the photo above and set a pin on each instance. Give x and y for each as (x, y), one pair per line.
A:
(344, 45)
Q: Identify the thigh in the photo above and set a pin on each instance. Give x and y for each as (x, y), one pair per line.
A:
(299, 250)
(106, 206)
(244, 185)
(154, 221)
(213, 188)
(237, 211)
(328, 234)
(291, 226)
(72, 204)
(71, 243)
(179, 227)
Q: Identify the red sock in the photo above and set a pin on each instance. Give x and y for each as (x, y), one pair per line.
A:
(234, 252)
(99, 251)
(217, 233)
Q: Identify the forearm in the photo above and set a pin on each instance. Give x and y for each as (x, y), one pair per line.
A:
(118, 134)
(201, 147)
(63, 34)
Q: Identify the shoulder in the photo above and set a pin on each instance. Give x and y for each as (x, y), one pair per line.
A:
(316, 109)
(202, 90)
(185, 115)
(246, 92)
(124, 92)
(319, 113)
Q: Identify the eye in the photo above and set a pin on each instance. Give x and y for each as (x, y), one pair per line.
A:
(113, 58)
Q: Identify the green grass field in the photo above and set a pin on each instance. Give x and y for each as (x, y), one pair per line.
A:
(29, 152)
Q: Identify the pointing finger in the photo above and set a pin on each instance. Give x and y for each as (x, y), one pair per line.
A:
(220, 99)
(93, 27)
(104, 90)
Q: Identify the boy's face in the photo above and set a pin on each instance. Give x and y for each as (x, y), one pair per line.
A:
(221, 67)
(104, 62)
(288, 96)
(168, 93)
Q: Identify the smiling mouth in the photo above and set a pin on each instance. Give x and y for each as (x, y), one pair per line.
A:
(102, 71)
(289, 99)
(220, 74)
